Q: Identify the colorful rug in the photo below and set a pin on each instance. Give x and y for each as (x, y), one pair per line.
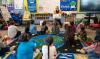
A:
(40, 40)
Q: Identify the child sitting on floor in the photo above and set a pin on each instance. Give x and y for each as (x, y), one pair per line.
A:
(79, 26)
(83, 34)
(49, 50)
(94, 49)
(32, 28)
(55, 28)
(44, 28)
(3, 45)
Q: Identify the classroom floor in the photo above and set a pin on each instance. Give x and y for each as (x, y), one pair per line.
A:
(81, 56)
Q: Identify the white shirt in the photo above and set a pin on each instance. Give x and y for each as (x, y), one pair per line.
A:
(12, 31)
(57, 16)
(52, 52)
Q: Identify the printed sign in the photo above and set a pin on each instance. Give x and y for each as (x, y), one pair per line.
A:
(18, 4)
(32, 5)
(68, 5)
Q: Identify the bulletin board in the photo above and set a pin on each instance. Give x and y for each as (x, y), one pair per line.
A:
(32, 5)
(18, 4)
(68, 5)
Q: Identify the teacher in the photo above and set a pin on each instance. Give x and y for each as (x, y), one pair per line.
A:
(57, 16)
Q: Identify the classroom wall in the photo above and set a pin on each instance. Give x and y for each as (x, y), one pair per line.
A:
(80, 16)
(47, 6)
(0, 2)
(18, 4)
(98, 15)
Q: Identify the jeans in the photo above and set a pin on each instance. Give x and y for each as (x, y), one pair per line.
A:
(4, 50)
(59, 21)
(93, 55)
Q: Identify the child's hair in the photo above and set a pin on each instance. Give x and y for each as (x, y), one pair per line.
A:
(97, 38)
(32, 21)
(25, 37)
(27, 27)
(72, 23)
(11, 22)
(69, 29)
(55, 23)
(98, 32)
(44, 23)
(6, 38)
(49, 40)
(82, 28)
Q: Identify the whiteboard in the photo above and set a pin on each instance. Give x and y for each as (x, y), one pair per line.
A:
(47, 6)
(18, 4)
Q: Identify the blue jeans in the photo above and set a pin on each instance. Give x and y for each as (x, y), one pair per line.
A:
(93, 55)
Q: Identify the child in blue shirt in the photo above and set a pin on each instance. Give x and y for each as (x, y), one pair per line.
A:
(26, 48)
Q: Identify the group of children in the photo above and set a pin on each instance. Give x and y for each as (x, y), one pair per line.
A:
(94, 49)
(49, 50)
(69, 33)
(27, 48)
(31, 28)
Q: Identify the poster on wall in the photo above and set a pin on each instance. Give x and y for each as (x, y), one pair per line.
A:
(18, 4)
(11, 8)
(47, 6)
(32, 5)
(68, 5)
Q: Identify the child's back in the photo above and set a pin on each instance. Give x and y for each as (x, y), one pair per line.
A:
(52, 52)
(55, 28)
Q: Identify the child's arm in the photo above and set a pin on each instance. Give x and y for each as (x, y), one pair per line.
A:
(89, 47)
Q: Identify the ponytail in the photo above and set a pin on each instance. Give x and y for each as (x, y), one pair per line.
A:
(48, 52)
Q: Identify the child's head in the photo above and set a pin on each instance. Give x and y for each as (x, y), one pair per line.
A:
(98, 32)
(32, 21)
(25, 37)
(82, 28)
(55, 23)
(72, 23)
(49, 40)
(44, 23)
(6, 38)
(11, 22)
(97, 38)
